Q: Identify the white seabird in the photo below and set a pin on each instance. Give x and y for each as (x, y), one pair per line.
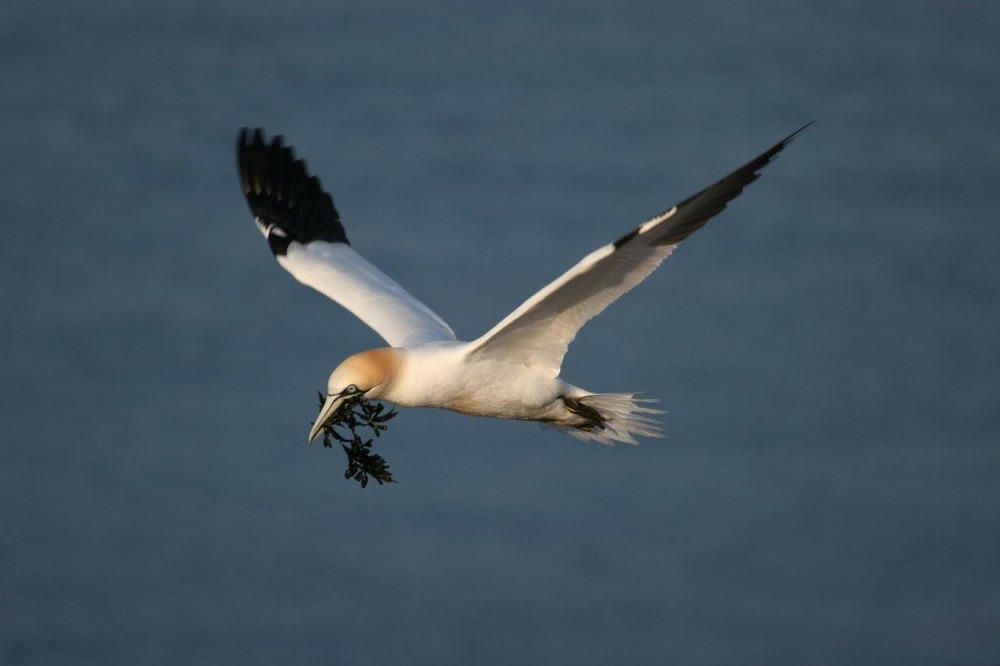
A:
(511, 372)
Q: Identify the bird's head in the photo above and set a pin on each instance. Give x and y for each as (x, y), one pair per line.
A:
(367, 374)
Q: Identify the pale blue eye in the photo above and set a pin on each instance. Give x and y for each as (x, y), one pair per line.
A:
(351, 390)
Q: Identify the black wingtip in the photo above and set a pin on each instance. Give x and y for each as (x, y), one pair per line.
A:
(770, 154)
(290, 204)
(791, 137)
(695, 211)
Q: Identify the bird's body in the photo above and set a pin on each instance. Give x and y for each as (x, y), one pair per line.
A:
(510, 372)
(448, 375)
(441, 374)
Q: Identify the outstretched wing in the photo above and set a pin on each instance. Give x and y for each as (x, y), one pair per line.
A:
(304, 232)
(539, 332)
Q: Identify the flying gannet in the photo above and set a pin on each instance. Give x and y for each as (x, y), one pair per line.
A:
(510, 372)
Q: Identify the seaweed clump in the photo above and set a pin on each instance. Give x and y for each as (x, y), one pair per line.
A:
(354, 417)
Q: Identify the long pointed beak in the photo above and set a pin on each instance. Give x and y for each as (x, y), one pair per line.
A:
(327, 412)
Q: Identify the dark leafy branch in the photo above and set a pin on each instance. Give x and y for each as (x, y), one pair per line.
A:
(356, 415)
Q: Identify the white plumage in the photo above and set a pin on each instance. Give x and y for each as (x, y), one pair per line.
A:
(512, 371)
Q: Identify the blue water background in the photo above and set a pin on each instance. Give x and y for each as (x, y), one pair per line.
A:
(827, 350)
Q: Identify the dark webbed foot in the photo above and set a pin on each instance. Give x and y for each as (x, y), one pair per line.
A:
(592, 418)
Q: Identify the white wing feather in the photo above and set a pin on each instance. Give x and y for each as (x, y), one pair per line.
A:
(540, 330)
(340, 273)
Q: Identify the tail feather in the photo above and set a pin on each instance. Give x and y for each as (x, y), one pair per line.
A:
(622, 415)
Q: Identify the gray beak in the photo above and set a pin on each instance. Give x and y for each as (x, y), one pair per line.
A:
(327, 412)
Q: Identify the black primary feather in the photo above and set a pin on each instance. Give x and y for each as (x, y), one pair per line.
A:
(696, 210)
(290, 205)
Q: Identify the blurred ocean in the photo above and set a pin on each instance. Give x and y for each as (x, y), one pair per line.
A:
(827, 350)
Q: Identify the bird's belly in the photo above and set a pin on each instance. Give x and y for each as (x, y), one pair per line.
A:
(482, 389)
(503, 405)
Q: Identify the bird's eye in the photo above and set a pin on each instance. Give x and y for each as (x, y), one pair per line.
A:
(351, 390)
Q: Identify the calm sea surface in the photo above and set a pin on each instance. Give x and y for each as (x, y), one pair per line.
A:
(827, 350)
